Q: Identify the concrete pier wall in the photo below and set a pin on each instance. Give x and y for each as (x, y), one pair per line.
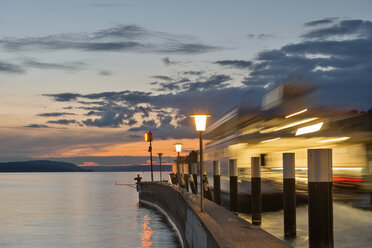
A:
(216, 227)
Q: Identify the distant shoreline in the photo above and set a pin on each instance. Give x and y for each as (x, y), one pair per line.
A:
(55, 166)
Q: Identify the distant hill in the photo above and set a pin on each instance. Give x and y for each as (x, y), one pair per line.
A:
(40, 166)
(128, 168)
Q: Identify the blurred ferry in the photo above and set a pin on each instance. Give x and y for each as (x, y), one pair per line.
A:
(289, 121)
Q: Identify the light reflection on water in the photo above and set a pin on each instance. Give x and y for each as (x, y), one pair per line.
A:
(147, 232)
(352, 226)
(76, 210)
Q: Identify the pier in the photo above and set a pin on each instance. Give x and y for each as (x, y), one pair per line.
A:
(215, 227)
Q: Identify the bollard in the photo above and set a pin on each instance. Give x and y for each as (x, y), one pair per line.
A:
(289, 194)
(217, 182)
(195, 172)
(233, 169)
(319, 162)
(256, 199)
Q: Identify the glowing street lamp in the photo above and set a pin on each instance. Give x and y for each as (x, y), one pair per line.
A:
(148, 138)
(200, 124)
(178, 150)
(178, 147)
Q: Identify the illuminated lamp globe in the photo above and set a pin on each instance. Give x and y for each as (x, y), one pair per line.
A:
(200, 121)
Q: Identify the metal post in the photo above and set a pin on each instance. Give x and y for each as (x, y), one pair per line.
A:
(233, 169)
(150, 150)
(289, 194)
(201, 172)
(217, 182)
(256, 198)
(161, 176)
(320, 198)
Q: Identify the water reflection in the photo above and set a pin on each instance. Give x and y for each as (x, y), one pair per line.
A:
(147, 232)
(76, 210)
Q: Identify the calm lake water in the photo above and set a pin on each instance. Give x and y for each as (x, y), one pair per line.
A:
(77, 210)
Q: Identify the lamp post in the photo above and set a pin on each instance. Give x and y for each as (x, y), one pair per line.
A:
(160, 156)
(200, 123)
(148, 138)
(178, 150)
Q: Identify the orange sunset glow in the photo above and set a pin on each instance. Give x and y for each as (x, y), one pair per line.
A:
(136, 149)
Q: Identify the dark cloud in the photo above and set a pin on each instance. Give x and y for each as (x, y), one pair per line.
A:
(358, 28)
(131, 122)
(62, 122)
(64, 97)
(239, 64)
(55, 114)
(167, 61)
(195, 73)
(321, 22)
(73, 66)
(120, 38)
(11, 68)
(113, 115)
(341, 67)
(92, 112)
(122, 31)
(37, 126)
(213, 82)
(160, 77)
(105, 73)
(260, 36)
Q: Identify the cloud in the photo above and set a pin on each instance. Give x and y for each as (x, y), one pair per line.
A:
(260, 36)
(239, 64)
(195, 73)
(11, 68)
(341, 67)
(37, 126)
(163, 113)
(55, 114)
(64, 97)
(73, 66)
(358, 28)
(167, 61)
(63, 122)
(120, 38)
(320, 22)
(213, 82)
(105, 73)
(165, 78)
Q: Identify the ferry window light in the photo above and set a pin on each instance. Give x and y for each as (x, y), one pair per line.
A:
(309, 129)
(264, 141)
(334, 140)
(297, 113)
(293, 124)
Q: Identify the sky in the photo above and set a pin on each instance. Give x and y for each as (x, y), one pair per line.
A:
(82, 79)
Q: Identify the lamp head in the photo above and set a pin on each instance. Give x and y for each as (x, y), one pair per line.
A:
(200, 121)
(178, 147)
(148, 136)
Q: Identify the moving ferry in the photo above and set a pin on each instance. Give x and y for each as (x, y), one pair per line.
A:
(287, 122)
